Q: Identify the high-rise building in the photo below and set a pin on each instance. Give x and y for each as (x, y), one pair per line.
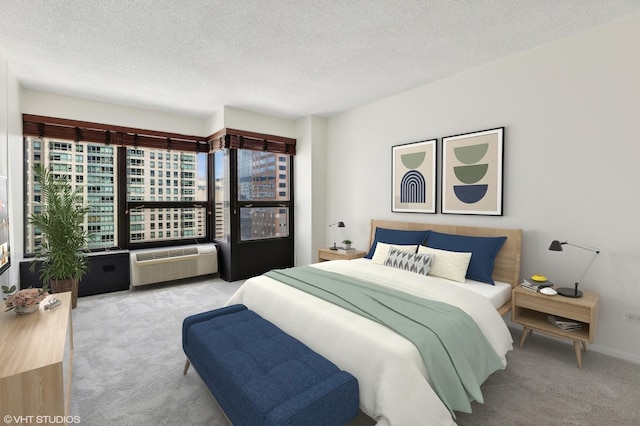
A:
(263, 176)
(151, 175)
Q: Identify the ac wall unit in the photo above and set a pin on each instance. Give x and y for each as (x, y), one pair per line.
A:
(148, 266)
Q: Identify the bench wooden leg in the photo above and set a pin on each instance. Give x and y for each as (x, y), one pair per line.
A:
(186, 366)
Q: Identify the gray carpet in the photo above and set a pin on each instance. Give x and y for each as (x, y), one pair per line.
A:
(128, 364)
(128, 356)
(542, 385)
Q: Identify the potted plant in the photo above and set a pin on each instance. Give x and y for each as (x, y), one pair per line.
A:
(8, 291)
(347, 244)
(62, 251)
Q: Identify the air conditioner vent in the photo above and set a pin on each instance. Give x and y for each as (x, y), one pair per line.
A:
(158, 265)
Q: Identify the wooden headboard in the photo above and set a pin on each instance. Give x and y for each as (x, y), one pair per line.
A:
(507, 265)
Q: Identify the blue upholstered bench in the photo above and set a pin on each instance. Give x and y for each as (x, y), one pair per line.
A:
(262, 376)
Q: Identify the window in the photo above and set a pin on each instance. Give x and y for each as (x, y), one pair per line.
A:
(165, 208)
(221, 193)
(264, 212)
(119, 171)
(263, 222)
(99, 192)
(98, 179)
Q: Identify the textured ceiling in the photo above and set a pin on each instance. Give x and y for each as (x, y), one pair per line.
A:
(290, 58)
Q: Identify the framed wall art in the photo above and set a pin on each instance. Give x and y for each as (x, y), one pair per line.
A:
(472, 173)
(413, 171)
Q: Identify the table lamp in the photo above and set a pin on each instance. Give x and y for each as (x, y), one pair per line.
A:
(339, 225)
(568, 291)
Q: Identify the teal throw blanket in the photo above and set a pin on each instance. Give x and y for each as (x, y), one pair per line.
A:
(456, 353)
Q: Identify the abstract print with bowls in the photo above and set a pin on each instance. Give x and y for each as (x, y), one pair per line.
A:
(472, 173)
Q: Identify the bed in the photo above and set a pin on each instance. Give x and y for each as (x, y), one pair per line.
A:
(395, 386)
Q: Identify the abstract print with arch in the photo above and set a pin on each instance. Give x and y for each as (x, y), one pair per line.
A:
(413, 186)
(413, 171)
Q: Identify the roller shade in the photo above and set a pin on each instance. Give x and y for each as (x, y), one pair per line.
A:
(240, 139)
(60, 128)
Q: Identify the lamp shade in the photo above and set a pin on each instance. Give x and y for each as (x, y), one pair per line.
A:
(556, 245)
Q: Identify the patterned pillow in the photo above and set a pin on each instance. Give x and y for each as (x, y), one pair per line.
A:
(451, 265)
(412, 262)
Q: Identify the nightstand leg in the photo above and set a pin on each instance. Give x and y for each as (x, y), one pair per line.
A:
(578, 349)
(584, 346)
(525, 332)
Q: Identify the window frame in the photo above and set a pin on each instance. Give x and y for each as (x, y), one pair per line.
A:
(257, 203)
(122, 137)
(122, 238)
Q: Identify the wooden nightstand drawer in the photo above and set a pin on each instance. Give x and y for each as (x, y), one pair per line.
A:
(556, 305)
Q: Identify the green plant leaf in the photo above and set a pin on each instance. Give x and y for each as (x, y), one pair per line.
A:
(64, 240)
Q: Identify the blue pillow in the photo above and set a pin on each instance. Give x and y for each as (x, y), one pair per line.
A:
(398, 237)
(483, 252)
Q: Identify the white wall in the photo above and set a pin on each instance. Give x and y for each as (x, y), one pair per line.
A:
(74, 108)
(11, 163)
(309, 186)
(4, 76)
(254, 122)
(4, 163)
(572, 155)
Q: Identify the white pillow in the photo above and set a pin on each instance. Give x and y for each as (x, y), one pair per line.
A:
(382, 251)
(451, 265)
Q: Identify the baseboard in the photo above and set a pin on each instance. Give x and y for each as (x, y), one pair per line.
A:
(595, 348)
(616, 354)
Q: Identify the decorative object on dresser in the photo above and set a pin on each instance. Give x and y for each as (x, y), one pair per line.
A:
(26, 301)
(8, 291)
(64, 237)
(413, 177)
(472, 173)
(568, 291)
(535, 286)
(333, 237)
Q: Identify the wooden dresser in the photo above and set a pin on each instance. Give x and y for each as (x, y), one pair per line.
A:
(36, 355)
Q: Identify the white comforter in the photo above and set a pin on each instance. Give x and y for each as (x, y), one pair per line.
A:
(394, 388)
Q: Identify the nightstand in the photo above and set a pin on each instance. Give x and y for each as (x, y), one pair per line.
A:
(328, 254)
(531, 309)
